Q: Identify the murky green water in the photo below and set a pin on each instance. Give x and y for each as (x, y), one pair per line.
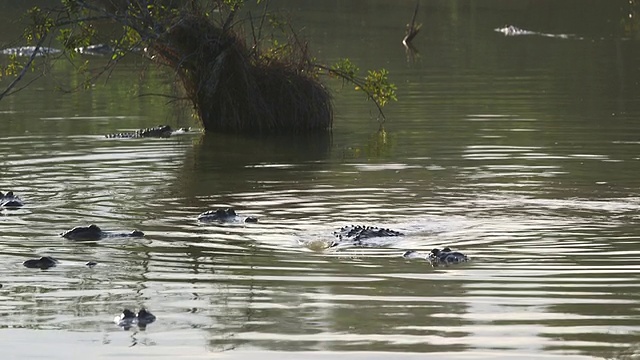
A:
(521, 151)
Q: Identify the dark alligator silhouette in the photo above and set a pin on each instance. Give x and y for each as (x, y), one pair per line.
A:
(44, 262)
(128, 318)
(10, 201)
(160, 131)
(356, 235)
(437, 257)
(446, 257)
(93, 232)
(225, 216)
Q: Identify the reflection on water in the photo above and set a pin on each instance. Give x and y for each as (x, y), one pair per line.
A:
(522, 152)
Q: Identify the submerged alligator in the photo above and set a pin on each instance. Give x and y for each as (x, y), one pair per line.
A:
(93, 232)
(227, 215)
(95, 50)
(10, 201)
(437, 257)
(128, 318)
(510, 30)
(46, 262)
(356, 235)
(29, 51)
(160, 131)
(368, 236)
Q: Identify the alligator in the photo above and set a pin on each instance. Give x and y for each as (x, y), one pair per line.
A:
(97, 49)
(365, 236)
(10, 201)
(29, 50)
(43, 263)
(93, 232)
(93, 50)
(227, 215)
(510, 30)
(437, 257)
(128, 318)
(46, 262)
(160, 131)
(358, 234)
(446, 257)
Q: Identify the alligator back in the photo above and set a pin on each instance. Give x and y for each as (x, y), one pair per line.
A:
(44, 262)
(355, 235)
(93, 232)
(160, 131)
(29, 50)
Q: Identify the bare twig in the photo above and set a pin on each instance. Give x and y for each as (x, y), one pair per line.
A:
(412, 28)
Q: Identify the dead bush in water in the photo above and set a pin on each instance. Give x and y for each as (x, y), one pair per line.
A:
(236, 88)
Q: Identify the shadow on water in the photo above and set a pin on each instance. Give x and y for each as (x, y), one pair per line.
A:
(241, 150)
(222, 163)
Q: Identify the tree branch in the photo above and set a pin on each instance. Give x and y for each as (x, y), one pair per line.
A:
(26, 67)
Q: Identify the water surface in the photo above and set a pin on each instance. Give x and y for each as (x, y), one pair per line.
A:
(520, 151)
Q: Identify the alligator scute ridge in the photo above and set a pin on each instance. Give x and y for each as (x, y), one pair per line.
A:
(355, 235)
(29, 50)
(160, 131)
(510, 30)
(94, 50)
